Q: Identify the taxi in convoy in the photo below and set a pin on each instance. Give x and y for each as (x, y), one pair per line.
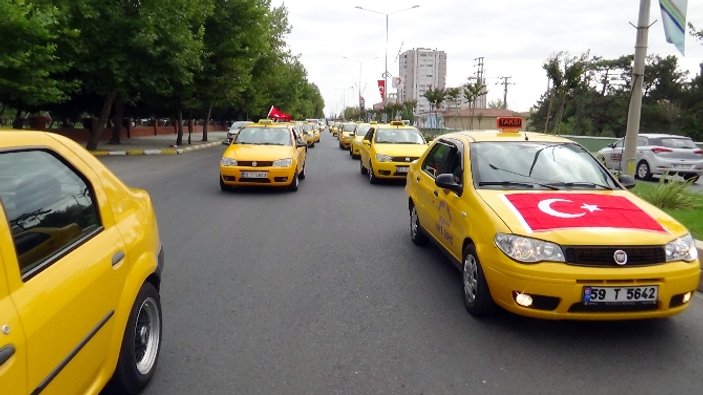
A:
(541, 228)
(264, 154)
(359, 133)
(387, 150)
(80, 272)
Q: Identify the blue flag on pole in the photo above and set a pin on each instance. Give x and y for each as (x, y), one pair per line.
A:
(674, 20)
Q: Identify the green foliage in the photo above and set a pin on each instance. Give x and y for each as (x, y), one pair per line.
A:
(668, 194)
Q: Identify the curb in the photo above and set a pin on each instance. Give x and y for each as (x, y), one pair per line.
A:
(164, 151)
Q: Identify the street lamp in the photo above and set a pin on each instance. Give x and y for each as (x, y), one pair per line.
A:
(385, 72)
(360, 63)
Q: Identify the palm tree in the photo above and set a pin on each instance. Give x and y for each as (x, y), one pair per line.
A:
(473, 91)
(454, 95)
(435, 97)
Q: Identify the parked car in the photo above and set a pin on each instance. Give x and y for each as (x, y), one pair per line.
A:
(80, 272)
(538, 227)
(658, 154)
(234, 129)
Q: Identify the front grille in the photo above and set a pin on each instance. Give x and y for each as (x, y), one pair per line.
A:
(250, 163)
(256, 180)
(603, 256)
(611, 308)
(403, 158)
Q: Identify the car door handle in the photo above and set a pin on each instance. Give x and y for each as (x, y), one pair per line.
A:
(117, 258)
(436, 193)
(417, 178)
(6, 352)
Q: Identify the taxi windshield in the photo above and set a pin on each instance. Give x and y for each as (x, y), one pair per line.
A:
(349, 127)
(361, 130)
(399, 136)
(264, 136)
(537, 164)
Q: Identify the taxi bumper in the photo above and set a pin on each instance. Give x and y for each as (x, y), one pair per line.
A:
(391, 170)
(257, 176)
(557, 290)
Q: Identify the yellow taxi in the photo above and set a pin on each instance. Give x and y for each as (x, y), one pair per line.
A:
(334, 129)
(264, 154)
(359, 133)
(309, 135)
(80, 272)
(345, 133)
(387, 150)
(539, 227)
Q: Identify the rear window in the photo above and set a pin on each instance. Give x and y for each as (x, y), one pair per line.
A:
(674, 142)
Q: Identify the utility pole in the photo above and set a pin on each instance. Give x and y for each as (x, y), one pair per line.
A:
(505, 89)
(635, 109)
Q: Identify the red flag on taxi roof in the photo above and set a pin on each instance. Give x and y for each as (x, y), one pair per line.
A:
(547, 211)
(275, 113)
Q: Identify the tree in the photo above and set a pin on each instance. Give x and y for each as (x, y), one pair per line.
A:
(498, 103)
(29, 62)
(472, 91)
(435, 96)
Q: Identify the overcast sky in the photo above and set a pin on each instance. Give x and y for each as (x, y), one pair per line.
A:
(514, 37)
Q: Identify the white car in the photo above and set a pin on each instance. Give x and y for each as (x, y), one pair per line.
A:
(658, 154)
(234, 129)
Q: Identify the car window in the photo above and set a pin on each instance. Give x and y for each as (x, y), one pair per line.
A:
(675, 142)
(399, 136)
(49, 206)
(436, 161)
(369, 134)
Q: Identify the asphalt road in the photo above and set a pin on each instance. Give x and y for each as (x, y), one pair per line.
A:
(320, 291)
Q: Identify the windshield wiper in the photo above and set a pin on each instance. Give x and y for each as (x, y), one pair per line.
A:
(580, 184)
(521, 184)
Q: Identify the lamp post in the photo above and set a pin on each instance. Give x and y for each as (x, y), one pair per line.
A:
(360, 63)
(385, 72)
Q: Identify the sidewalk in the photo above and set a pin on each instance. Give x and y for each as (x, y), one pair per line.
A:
(161, 144)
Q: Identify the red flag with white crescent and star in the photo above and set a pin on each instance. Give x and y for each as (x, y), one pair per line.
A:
(548, 211)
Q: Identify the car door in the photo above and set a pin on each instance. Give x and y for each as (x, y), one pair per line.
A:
(13, 349)
(427, 203)
(64, 274)
(452, 209)
(613, 158)
(365, 148)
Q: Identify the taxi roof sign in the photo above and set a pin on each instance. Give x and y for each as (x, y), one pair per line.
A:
(509, 124)
(397, 123)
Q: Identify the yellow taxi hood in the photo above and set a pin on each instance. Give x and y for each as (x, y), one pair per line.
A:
(582, 217)
(414, 150)
(246, 152)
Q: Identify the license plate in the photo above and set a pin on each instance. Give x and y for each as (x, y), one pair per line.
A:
(401, 169)
(254, 174)
(621, 295)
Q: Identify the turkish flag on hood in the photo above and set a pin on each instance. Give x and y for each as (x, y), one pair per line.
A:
(548, 211)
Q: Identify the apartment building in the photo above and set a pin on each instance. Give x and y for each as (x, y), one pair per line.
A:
(421, 69)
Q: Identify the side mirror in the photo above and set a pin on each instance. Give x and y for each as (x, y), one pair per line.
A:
(627, 181)
(446, 181)
(301, 143)
(366, 142)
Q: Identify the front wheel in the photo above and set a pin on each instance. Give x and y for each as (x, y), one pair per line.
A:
(477, 297)
(372, 177)
(295, 183)
(302, 172)
(223, 186)
(416, 234)
(362, 169)
(141, 344)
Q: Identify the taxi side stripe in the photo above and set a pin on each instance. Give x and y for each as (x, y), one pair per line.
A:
(42, 386)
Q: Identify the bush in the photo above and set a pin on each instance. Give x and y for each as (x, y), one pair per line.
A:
(668, 194)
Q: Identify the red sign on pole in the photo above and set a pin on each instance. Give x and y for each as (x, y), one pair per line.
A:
(382, 89)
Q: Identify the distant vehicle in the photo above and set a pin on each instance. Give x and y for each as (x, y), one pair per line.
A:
(658, 154)
(80, 272)
(387, 150)
(234, 129)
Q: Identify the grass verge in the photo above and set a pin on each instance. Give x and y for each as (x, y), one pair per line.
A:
(676, 200)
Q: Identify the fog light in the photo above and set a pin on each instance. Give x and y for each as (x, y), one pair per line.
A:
(523, 300)
(686, 297)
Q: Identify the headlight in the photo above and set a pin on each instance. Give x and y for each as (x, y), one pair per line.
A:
(527, 250)
(228, 162)
(383, 158)
(283, 162)
(681, 249)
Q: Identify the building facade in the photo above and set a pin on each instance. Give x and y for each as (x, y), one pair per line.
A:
(421, 69)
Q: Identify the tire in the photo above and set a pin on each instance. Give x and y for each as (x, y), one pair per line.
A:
(692, 178)
(294, 184)
(224, 187)
(643, 172)
(477, 296)
(141, 344)
(362, 169)
(302, 172)
(416, 234)
(372, 177)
